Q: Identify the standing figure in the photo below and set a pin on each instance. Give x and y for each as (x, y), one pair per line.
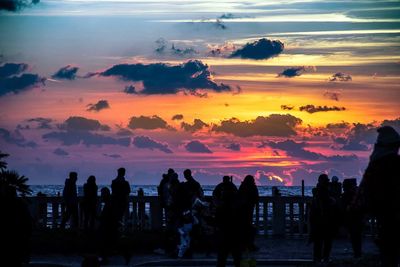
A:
(120, 194)
(190, 190)
(186, 195)
(248, 199)
(379, 193)
(71, 201)
(352, 219)
(108, 228)
(322, 220)
(90, 202)
(228, 222)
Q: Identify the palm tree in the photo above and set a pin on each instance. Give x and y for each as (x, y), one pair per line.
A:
(11, 179)
(3, 164)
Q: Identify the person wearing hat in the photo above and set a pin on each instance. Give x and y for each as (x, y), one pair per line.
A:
(379, 193)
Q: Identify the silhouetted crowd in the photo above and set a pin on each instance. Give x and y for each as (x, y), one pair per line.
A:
(225, 219)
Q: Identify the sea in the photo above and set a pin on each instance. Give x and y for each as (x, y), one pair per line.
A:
(151, 190)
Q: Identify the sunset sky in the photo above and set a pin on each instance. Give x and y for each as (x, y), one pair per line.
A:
(283, 90)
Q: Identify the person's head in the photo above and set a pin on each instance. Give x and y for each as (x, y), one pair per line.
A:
(121, 172)
(323, 179)
(335, 179)
(349, 184)
(388, 137)
(171, 171)
(91, 179)
(187, 174)
(165, 176)
(73, 176)
(174, 179)
(226, 179)
(249, 179)
(105, 193)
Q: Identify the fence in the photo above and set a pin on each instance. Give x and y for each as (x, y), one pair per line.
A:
(285, 216)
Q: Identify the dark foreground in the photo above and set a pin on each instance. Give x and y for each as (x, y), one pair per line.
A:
(67, 249)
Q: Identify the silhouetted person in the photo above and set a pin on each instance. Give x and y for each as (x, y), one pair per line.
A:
(190, 190)
(15, 228)
(228, 222)
(120, 193)
(163, 190)
(336, 188)
(108, 228)
(352, 220)
(71, 201)
(379, 193)
(322, 220)
(172, 212)
(90, 202)
(248, 199)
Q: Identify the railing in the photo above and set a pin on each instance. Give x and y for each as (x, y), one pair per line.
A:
(274, 216)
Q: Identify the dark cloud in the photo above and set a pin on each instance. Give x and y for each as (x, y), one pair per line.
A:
(196, 126)
(130, 89)
(339, 125)
(196, 146)
(177, 117)
(10, 69)
(76, 123)
(334, 95)
(221, 50)
(298, 150)
(124, 132)
(340, 77)
(148, 123)
(295, 149)
(292, 72)
(147, 142)
(234, 147)
(43, 123)
(16, 138)
(287, 107)
(16, 84)
(359, 138)
(114, 156)
(188, 51)
(60, 152)
(100, 105)
(273, 125)
(68, 73)
(69, 138)
(312, 109)
(161, 45)
(174, 50)
(16, 5)
(261, 49)
(160, 78)
(394, 123)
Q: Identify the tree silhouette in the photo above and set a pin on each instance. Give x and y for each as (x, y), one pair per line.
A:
(11, 178)
(3, 164)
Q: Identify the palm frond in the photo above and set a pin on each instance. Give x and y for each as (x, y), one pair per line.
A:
(3, 164)
(13, 179)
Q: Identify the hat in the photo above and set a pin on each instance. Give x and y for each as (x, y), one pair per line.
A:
(387, 135)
